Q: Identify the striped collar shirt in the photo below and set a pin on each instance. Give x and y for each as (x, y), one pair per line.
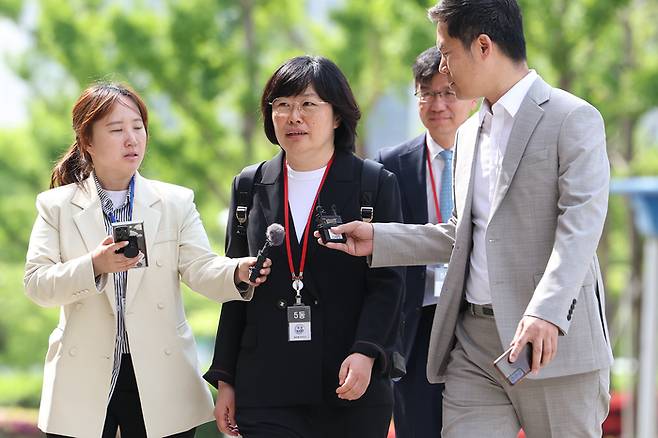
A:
(120, 213)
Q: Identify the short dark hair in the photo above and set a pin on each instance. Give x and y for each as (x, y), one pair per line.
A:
(329, 82)
(499, 19)
(426, 66)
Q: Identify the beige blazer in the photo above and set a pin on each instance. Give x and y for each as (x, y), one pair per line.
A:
(546, 219)
(79, 361)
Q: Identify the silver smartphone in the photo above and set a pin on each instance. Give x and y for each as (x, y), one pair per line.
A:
(513, 372)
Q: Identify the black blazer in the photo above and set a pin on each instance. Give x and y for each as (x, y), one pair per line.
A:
(408, 161)
(353, 308)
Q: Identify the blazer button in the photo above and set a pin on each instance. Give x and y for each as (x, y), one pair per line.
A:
(158, 263)
(167, 351)
(161, 306)
(281, 304)
(73, 351)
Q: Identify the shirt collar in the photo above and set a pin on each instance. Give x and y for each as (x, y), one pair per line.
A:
(511, 101)
(434, 147)
(106, 202)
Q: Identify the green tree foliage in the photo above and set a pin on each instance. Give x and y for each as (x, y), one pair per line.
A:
(198, 63)
(375, 43)
(202, 64)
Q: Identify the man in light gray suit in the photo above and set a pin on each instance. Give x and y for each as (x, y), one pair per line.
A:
(530, 193)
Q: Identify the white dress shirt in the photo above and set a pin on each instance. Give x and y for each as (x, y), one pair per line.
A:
(437, 167)
(496, 122)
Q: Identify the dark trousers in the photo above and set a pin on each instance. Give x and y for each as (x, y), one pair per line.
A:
(124, 412)
(314, 422)
(418, 409)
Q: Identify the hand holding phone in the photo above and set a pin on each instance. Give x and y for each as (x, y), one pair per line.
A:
(513, 372)
(133, 233)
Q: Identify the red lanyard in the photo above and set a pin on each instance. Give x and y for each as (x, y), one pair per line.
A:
(288, 227)
(433, 183)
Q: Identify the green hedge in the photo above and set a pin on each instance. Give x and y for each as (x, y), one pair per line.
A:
(20, 389)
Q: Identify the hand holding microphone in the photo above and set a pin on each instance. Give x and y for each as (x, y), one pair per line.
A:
(275, 234)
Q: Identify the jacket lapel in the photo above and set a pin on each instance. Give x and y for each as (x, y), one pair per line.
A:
(340, 185)
(525, 122)
(412, 180)
(89, 219)
(272, 184)
(91, 225)
(144, 209)
(271, 203)
(339, 188)
(465, 153)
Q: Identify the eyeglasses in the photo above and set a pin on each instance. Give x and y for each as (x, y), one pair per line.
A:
(282, 106)
(425, 96)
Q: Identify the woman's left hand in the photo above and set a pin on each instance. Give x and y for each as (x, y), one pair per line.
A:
(242, 271)
(354, 376)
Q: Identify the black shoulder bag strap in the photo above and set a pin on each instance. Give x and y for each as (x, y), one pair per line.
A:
(244, 195)
(369, 187)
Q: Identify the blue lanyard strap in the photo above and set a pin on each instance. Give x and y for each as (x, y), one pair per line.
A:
(131, 198)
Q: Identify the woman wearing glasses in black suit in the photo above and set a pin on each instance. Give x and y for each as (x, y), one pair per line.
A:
(277, 378)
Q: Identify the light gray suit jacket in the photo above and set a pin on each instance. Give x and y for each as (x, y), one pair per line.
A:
(546, 219)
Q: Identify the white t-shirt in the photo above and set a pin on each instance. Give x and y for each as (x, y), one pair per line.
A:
(118, 197)
(302, 187)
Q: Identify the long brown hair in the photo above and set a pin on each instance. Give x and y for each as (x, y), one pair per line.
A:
(75, 165)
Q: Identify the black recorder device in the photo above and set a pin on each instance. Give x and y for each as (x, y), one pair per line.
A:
(133, 233)
(325, 222)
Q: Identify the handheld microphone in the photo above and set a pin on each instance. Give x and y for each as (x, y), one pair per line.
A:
(275, 234)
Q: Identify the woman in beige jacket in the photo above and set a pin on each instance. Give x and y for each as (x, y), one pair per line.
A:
(123, 355)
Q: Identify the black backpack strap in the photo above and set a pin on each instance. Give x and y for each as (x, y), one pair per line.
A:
(245, 187)
(369, 187)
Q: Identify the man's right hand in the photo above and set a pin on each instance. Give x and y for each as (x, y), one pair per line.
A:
(225, 410)
(359, 238)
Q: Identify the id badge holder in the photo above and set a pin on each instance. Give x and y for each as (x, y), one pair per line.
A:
(299, 323)
(440, 272)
